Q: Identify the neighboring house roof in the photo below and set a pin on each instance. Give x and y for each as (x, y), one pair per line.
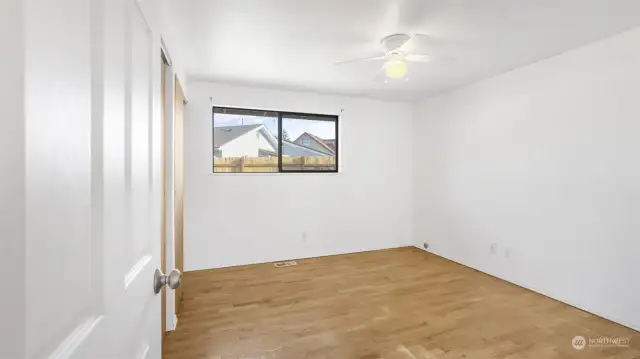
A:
(319, 140)
(263, 152)
(301, 150)
(225, 134)
(331, 144)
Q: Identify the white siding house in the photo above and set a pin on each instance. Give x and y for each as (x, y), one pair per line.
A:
(254, 141)
(293, 149)
(314, 142)
(248, 144)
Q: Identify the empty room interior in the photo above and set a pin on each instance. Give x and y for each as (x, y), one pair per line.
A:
(379, 179)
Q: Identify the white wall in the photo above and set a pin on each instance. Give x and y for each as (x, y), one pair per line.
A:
(233, 219)
(544, 161)
(12, 172)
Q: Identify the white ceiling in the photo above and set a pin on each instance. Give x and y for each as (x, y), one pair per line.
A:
(293, 44)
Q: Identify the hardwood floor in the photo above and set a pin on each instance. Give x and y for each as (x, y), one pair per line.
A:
(392, 304)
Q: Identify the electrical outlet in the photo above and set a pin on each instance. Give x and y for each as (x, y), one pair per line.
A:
(493, 248)
(507, 252)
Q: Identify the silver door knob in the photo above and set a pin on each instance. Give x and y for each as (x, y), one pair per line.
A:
(160, 279)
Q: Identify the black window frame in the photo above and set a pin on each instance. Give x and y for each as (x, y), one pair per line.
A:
(287, 114)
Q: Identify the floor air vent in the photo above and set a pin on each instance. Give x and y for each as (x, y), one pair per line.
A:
(285, 264)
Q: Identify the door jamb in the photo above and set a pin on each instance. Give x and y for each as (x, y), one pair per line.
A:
(163, 261)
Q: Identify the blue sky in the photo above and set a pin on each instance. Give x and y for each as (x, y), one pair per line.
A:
(295, 128)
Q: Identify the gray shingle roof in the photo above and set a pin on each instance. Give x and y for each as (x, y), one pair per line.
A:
(225, 134)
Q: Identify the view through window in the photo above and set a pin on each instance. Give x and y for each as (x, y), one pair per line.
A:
(255, 141)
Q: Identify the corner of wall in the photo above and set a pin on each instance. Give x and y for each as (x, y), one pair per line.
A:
(416, 126)
(512, 177)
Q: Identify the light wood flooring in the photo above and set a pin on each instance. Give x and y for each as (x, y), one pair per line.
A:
(391, 304)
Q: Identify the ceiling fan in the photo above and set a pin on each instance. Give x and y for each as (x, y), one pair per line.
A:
(398, 50)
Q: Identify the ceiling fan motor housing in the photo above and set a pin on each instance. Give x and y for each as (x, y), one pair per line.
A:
(394, 42)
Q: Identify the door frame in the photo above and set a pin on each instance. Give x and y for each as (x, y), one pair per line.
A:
(166, 94)
(164, 66)
(178, 171)
(169, 244)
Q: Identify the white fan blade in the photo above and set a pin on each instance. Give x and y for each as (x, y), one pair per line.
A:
(413, 42)
(430, 59)
(381, 57)
(408, 46)
(419, 36)
(418, 58)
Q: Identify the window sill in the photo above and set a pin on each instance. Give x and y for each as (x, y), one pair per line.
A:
(270, 173)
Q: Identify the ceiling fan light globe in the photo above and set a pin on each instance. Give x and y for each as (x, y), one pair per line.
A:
(396, 69)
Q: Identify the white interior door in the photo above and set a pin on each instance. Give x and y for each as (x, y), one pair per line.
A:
(92, 181)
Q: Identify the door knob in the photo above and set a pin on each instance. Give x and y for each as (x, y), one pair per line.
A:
(160, 279)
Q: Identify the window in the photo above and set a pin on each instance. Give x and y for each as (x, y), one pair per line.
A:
(308, 143)
(246, 140)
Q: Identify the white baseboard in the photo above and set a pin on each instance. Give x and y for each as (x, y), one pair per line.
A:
(584, 308)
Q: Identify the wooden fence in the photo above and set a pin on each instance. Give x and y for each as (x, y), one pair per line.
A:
(270, 164)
